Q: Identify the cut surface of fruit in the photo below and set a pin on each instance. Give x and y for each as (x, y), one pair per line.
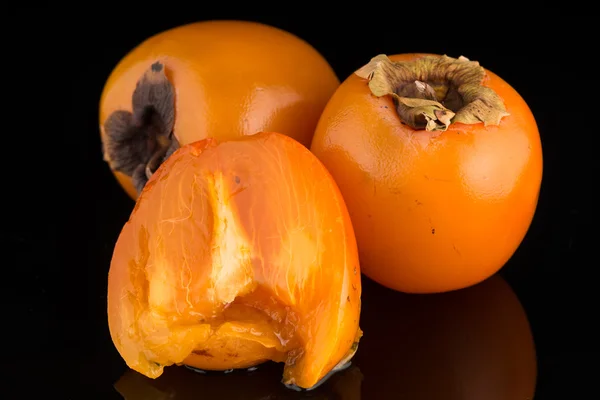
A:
(236, 253)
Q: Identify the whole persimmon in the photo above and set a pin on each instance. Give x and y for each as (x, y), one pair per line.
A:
(237, 252)
(222, 79)
(469, 344)
(440, 164)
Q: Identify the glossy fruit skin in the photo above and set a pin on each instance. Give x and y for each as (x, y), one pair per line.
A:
(235, 253)
(432, 211)
(232, 78)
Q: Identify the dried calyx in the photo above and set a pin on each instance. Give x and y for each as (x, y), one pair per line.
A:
(137, 142)
(431, 92)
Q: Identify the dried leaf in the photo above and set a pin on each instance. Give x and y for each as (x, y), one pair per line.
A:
(431, 92)
(137, 142)
(153, 100)
(126, 145)
(424, 114)
(366, 72)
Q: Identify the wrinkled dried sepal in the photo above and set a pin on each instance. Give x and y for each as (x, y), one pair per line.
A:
(153, 101)
(155, 161)
(424, 114)
(136, 142)
(367, 71)
(172, 147)
(381, 74)
(483, 105)
(126, 146)
(139, 178)
(432, 92)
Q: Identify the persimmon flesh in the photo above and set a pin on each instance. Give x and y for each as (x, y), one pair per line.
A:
(237, 252)
(221, 79)
(440, 163)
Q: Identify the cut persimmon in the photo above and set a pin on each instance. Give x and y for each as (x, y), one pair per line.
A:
(236, 253)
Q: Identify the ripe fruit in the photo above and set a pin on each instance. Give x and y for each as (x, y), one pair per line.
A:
(474, 343)
(236, 253)
(221, 79)
(440, 165)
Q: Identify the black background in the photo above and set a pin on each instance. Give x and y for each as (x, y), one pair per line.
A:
(64, 210)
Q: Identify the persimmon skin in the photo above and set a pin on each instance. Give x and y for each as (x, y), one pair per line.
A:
(432, 211)
(235, 253)
(232, 78)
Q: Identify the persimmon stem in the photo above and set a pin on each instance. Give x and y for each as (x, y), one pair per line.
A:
(137, 142)
(432, 92)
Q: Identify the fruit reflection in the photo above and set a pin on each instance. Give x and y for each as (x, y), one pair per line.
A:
(471, 344)
(261, 383)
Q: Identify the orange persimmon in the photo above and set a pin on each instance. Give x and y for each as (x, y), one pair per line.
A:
(222, 79)
(237, 252)
(440, 163)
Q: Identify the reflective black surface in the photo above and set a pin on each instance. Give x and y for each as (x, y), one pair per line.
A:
(530, 329)
(470, 344)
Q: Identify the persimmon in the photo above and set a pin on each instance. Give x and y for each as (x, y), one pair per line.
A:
(221, 79)
(440, 163)
(469, 344)
(237, 252)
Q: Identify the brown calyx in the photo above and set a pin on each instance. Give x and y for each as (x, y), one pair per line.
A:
(137, 142)
(432, 92)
